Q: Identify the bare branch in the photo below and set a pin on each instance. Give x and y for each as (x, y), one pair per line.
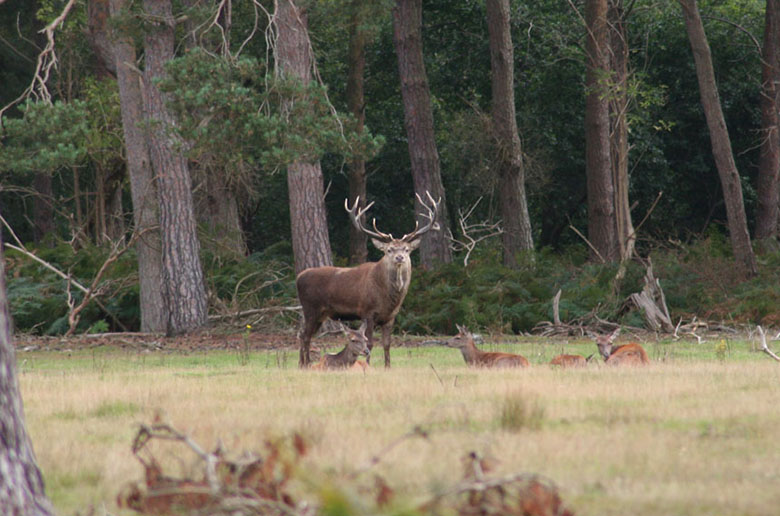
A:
(472, 233)
(764, 346)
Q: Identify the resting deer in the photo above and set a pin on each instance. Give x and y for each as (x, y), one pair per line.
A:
(372, 291)
(569, 361)
(346, 358)
(474, 357)
(626, 354)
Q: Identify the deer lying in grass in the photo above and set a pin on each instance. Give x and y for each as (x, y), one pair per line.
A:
(372, 291)
(347, 358)
(474, 357)
(569, 361)
(626, 354)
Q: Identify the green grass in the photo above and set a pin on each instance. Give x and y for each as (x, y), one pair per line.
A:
(694, 433)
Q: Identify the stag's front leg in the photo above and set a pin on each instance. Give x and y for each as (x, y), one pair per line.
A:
(386, 329)
(370, 337)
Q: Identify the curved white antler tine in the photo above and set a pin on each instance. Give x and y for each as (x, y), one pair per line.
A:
(356, 214)
(432, 210)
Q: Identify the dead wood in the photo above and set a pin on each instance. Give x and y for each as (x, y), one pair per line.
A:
(652, 302)
(764, 346)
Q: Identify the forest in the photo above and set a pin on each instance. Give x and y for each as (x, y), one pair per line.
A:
(169, 165)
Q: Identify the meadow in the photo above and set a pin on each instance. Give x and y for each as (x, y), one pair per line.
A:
(693, 433)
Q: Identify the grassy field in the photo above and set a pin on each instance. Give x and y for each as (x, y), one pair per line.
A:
(694, 433)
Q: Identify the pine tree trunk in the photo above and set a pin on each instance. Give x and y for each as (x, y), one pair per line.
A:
(418, 120)
(517, 235)
(308, 220)
(21, 484)
(769, 161)
(618, 107)
(358, 240)
(602, 226)
(143, 188)
(719, 138)
(43, 212)
(183, 282)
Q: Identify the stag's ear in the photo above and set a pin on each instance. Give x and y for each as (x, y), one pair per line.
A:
(382, 246)
(414, 244)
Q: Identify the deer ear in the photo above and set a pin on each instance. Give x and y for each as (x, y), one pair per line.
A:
(382, 246)
(414, 244)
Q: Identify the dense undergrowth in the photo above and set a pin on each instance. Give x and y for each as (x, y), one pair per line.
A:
(699, 280)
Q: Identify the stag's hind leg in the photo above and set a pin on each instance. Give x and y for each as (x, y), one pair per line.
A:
(309, 328)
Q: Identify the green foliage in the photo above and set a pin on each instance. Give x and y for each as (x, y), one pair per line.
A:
(47, 137)
(266, 123)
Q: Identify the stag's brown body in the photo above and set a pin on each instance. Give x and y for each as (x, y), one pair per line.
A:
(475, 357)
(372, 291)
(569, 361)
(626, 354)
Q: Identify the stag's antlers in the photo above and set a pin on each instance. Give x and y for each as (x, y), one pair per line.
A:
(356, 214)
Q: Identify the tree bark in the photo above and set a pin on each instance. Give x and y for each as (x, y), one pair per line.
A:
(769, 161)
(21, 484)
(619, 147)
(517, 235)
(183, 283)
(43, 213)
(358, 241)
(418, 121)
(99, 40)
(143, 187)
(602, 225)
(719, 138)
(308, 220)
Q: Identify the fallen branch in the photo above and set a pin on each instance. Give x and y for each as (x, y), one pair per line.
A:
(764, 346)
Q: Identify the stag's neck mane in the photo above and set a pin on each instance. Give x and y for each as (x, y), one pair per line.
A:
(396, 277)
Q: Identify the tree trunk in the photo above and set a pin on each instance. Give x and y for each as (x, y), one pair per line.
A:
(143, 188)
(43, 213)
(618, 106)
(217, 210)
(769, 161)
(308, 220)
(97, 24)
(216, 204)
(358, 241)
(514, 207)
(719, 138)
(21, 484)
(602, 226)
(418, 120)
(183, 283)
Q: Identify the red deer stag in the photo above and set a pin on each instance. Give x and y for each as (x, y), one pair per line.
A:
(347, 358)
(474, 357)
(569, 361)
(372, 291)
(626, 354)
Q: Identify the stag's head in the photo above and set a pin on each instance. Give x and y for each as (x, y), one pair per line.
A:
(397, 250)
(604, 343)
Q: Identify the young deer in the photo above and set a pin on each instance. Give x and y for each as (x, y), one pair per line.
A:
(474, 357)
(628, 354)
(347, 358)
(569, 361)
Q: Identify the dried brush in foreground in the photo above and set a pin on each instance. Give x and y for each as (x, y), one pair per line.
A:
(251, 485)
(522, 494)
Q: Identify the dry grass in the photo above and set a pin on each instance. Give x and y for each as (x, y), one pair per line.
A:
(685, 437)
